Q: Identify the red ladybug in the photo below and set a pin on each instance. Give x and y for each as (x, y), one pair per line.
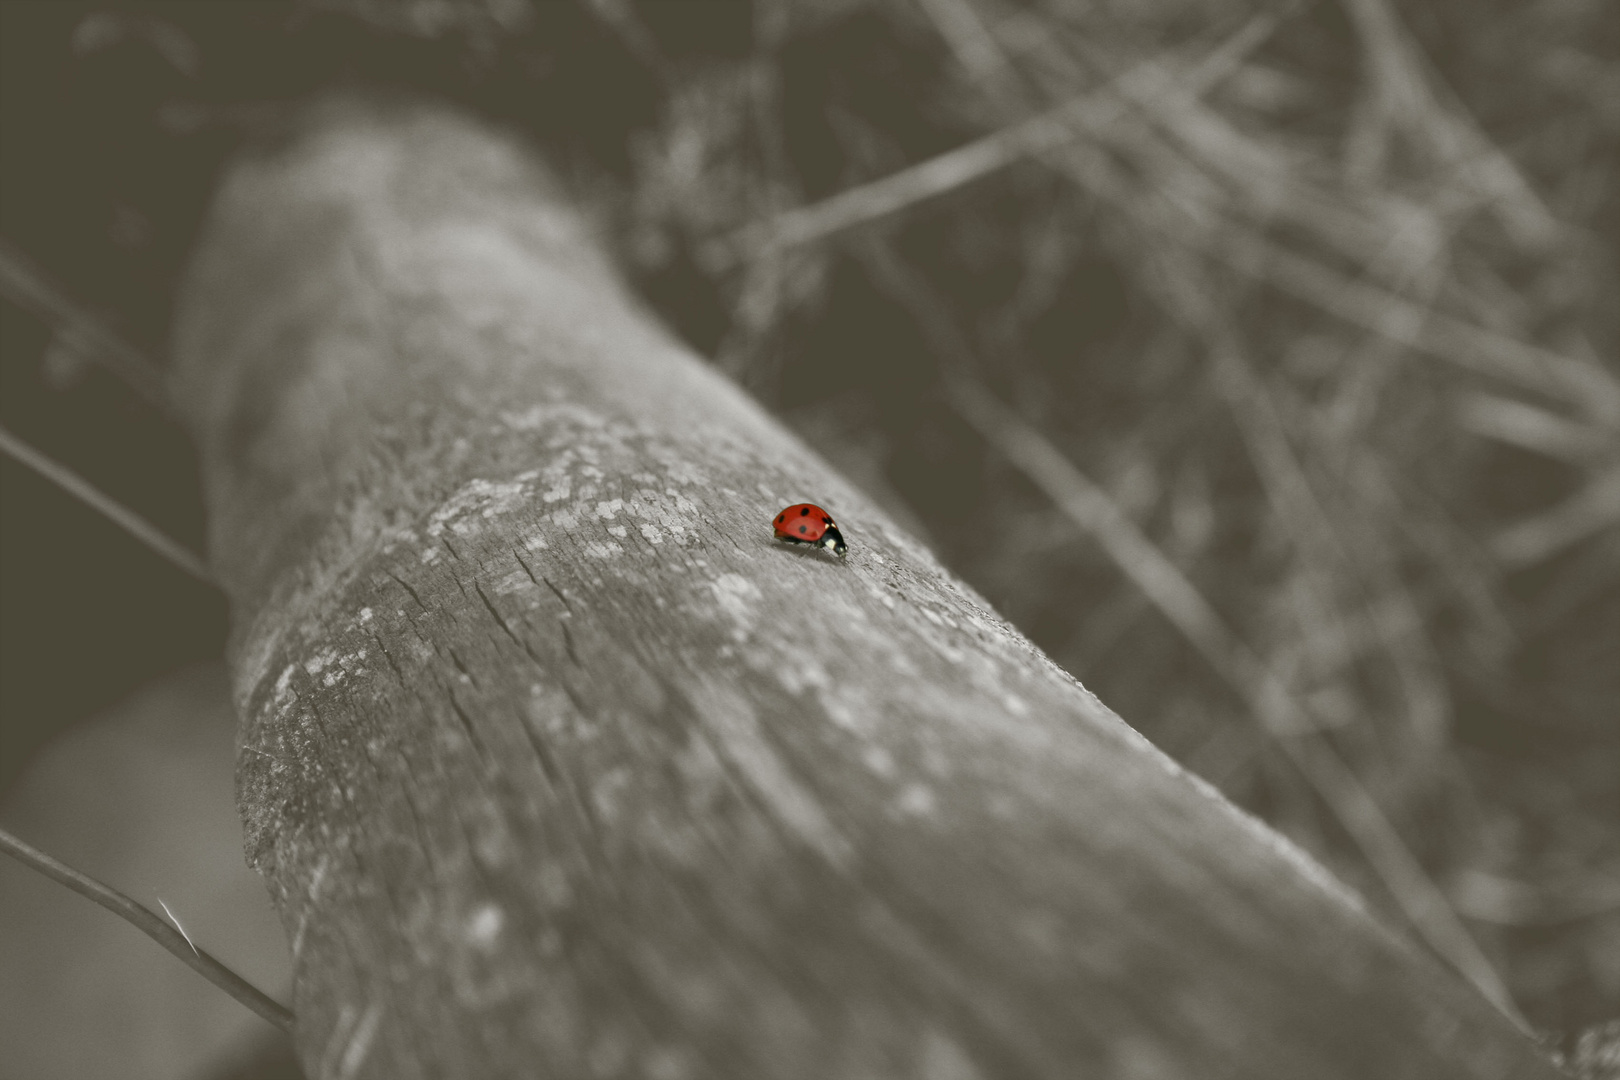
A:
(807, 523)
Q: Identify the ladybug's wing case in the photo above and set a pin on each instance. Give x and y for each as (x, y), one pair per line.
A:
(803, 523)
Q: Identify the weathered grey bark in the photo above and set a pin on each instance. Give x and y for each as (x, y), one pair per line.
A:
(557, 765)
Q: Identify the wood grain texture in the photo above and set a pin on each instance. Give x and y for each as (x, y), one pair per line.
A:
(556, 764)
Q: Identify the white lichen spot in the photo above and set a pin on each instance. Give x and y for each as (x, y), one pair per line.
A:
(667, 1063)
(598, 550)
(619, 531)
(284, 681)
(317, 878)
(941, 1058)
(802, 672)
(840, 711)
(484, 926)
(317, 663)
(536, 543)
(354, 1055)
(879, 760)
(527, 420)
(298, 935)
(565, 519)
(609, 510)
(554, 887)
(430, 555)
(365, 615)
(916, 800)
(1136, 1057)
(485, 498)
(651, 534)
(559, 490)
(736, 596)
(516, 581)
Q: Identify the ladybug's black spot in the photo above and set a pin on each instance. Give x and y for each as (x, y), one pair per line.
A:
(803, 512)
(779, 518)
(803, 529)
(826, 521)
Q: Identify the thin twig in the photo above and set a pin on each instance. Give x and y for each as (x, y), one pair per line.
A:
(153, 927)
(1357, 302)
(1592, 509)
(976, 48)
(1353, 300)
(28, 287)
(120, 515)
(1317, 537)
(1442, 336)
(1402, 90)
(956, 168)
(1395, 317)
(1533, 428)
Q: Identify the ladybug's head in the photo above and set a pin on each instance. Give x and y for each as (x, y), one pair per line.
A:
(833, 541)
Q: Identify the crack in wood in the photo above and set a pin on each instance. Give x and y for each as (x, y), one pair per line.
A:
(404, 585)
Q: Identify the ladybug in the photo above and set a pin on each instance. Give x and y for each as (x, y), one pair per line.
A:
(807, 523)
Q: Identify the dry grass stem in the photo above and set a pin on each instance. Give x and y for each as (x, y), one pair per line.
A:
(956, 168)
(1533, 428)
(148, 923)
(1485, 352)
(109, 508)
(1591, 510)
(1404, 96)
(26, 286)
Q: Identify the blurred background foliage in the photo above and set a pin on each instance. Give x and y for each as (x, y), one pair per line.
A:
(1261, 361)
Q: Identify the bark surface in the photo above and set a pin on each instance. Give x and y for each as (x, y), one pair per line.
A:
(556, 764)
